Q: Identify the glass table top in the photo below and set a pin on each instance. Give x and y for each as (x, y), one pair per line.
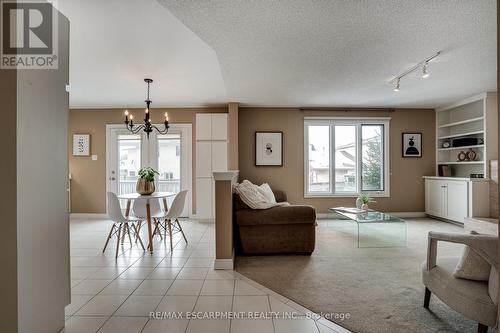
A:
(370, 216)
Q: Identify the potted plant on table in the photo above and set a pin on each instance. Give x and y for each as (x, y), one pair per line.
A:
(364, 200)
(146, 182)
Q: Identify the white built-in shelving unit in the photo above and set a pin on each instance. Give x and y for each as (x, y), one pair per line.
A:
(475, 118)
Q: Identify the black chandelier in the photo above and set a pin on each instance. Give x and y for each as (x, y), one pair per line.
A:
(147, 127)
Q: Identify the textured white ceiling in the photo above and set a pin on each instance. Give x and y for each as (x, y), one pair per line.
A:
(115, 44)
(344, 53)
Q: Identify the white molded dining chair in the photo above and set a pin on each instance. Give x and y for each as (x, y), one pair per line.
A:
(170, 221)
(139, 210)
(121, 224)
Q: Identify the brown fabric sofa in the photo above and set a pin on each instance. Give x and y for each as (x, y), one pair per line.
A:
(284, 229)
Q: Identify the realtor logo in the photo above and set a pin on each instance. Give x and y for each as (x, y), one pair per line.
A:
(29, 35)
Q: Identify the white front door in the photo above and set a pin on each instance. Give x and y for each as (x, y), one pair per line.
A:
(170, 154)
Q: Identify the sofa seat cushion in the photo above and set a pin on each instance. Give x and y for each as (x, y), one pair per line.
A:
(464, 296)
(292, 214)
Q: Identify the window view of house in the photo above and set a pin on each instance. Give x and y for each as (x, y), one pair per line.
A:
(169, 163)
(129, 156)
(356, 150)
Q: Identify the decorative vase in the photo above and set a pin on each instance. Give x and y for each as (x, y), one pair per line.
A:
(144, 187)
(470, 155)
(364, 207)
(359, 203)
(461, 156)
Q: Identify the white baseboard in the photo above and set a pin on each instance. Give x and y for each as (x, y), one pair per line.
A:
(321, 216)
(90, 216)
(224, 264)
(408, 214)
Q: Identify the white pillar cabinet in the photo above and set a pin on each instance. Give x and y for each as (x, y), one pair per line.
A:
(211, 155)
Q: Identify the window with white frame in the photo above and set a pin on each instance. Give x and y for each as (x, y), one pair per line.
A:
(346, 156)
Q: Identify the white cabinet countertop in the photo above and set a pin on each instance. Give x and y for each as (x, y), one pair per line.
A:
(457, 178)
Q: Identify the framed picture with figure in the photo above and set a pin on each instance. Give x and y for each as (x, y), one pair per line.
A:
(268, 148)
(81, 144)
(412, 145)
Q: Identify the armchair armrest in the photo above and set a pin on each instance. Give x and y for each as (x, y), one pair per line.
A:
(484, 245)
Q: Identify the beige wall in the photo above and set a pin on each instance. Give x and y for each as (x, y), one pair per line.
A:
(407, 187)
(232, 161)
(88, 187)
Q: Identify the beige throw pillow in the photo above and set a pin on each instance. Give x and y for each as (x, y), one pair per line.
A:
(472, 266)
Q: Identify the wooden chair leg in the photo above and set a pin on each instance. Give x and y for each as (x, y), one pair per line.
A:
(157, 229)
(182, 231)
(170, 233)
(123, 233)
(137, 236)
(427, 298)
(482, 328)
(128, 233)
(109, 237)
(165, 228)
(138, 228)
(118, 240)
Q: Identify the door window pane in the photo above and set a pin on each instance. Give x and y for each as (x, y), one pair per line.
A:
(129, 159)
(372, 157)
(345, 159)
(169, 163)
(319, 158)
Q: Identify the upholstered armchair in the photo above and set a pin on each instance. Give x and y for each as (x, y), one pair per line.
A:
(476, 300)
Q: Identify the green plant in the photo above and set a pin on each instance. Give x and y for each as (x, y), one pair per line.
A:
(366, 199)
(148, 174)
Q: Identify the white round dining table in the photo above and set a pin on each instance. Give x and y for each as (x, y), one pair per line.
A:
(155, 195)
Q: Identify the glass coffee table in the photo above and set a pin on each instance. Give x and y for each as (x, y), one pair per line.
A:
(376, 229)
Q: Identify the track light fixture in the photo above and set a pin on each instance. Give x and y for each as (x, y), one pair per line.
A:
(424, 64)
(396, 87)
(425, 72)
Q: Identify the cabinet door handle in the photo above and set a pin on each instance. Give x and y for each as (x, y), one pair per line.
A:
(444, 186)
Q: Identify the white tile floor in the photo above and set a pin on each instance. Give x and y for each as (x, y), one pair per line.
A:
(118, 295)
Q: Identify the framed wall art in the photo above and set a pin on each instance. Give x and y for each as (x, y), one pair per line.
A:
(412, 145)
(81, 144)
(268, 148)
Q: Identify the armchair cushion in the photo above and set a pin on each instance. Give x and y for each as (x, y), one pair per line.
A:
(473, 299)
(472, 266)
(468, 297)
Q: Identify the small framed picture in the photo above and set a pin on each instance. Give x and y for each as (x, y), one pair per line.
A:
(268, 148)
(81, 144)
(412, 145)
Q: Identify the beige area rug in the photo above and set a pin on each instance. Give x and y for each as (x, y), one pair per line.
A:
(380, 288)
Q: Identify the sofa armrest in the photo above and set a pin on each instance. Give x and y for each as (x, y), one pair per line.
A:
(484, 245)
(280, 196)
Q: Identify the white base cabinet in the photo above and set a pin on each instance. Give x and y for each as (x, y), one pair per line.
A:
(456, 198)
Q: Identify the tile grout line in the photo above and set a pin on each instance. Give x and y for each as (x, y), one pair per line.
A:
(117, 277)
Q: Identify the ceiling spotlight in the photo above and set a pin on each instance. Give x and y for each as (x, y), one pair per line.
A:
(425, 73)
(396, 87)
(422, 65)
